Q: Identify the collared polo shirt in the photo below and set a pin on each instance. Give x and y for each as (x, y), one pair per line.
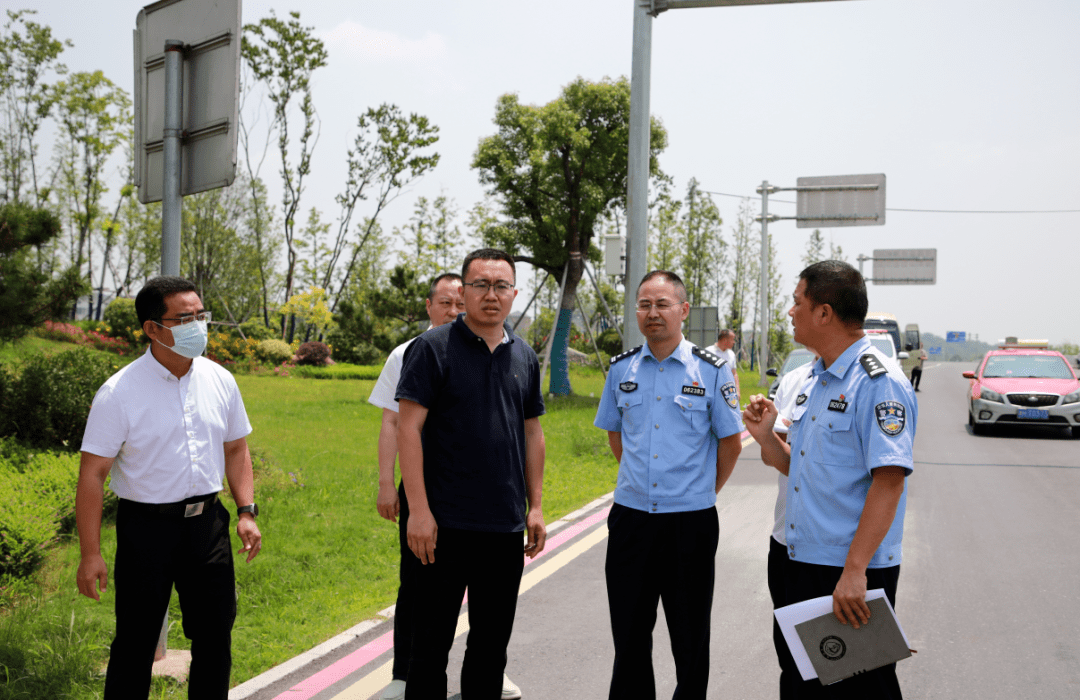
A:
(850, 424)
(382, 394)
(166, 435)
(474, 434)
(671, 414)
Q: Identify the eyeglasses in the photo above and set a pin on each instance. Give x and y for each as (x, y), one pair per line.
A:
(191, 318)
(646, 306)
(483, 286)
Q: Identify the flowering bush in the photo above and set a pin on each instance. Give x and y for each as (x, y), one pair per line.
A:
(282, 370)
(122, 320)
(273, 351)
(225, 348)
(97, 339)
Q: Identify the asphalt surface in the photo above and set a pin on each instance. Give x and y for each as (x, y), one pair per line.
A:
(989, 591)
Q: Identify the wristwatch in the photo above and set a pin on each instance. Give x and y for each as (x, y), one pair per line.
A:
(253, 509)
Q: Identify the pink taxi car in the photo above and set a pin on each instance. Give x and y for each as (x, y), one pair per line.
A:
(1023, 383)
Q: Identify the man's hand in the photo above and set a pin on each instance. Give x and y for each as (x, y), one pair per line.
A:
(387, 502)
(422, 534)
(249, 535)
(92, 569)
(534, 525)
(849, 599)
(759, 416)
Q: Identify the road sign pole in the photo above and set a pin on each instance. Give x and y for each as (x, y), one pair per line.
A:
(171, 202)
(637, 181)
(763, 313)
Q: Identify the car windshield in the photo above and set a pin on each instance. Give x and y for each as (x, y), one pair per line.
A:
(1043, 366)
(796, 359)
(883, 343)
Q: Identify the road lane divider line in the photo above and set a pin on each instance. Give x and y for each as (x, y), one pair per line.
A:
(353, 662)
(379, 678)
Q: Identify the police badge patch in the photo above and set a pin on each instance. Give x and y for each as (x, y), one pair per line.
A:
(628, 386)
(732, 398)
(891, 416)
(800, 399)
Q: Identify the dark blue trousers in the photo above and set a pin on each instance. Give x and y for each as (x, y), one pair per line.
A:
(654, 557)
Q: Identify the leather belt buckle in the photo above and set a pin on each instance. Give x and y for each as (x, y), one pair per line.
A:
(193, 509)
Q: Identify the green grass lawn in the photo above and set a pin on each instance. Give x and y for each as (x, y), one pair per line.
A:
(328, 560)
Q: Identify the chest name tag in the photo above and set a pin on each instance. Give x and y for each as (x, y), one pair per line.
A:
(628, 386)
(800, 399)
(837, 405)
(694, 390)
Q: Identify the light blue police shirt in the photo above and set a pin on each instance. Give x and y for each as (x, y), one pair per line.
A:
(671, 414)
(850, 424)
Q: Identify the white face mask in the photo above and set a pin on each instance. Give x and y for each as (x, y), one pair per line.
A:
(189, 340)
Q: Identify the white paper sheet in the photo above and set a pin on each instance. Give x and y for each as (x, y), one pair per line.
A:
(791, 615)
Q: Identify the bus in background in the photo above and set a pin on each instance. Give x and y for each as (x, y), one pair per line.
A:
(885, 322)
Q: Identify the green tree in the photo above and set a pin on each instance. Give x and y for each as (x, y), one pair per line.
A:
(836, 252)
(282, 55)
(745, 251)
(95, 118)
(702, 250)
(815, 248)
(29, 297)
(28, 53)
(388, 154)
(402, 299)
(555, 170)
(666, 230)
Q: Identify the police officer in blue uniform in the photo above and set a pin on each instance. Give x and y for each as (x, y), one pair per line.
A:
(848, 456)
(671, 412)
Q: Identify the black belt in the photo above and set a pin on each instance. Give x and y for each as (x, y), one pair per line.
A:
(188, 508)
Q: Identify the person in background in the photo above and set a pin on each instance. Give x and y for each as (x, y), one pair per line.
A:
(724, 349)
(916, 371)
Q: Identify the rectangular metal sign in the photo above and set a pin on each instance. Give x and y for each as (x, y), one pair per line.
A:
(905, 266)
(840, 200)
(935, 351)
(210, 30)
(956, 337)
(703, 325)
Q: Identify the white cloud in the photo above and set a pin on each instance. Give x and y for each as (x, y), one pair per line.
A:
(364, 43)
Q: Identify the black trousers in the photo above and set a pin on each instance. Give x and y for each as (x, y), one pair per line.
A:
(405, 609)
(153, 553)
(916, 377)
(778, 576)
(653, 557)
(807, 581)
(489, 566)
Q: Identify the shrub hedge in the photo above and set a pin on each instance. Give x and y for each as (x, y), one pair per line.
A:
(38, 494)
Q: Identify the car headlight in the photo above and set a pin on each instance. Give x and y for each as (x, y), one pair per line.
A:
(1071, 398)
(990, 395)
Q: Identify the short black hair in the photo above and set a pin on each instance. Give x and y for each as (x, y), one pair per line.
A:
(488, 254)
(725, 333)
(839, 285)
(150, 301)
(680, 288)
(440, 278)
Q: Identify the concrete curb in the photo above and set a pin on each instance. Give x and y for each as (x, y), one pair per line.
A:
(252, 686)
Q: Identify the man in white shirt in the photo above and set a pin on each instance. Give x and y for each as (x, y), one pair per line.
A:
(793, 390)
(723, 349)
(168, 427)
(444, 302)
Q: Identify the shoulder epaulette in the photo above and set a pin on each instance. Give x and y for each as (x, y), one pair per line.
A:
(709, 357)
(628, 353)
(872, 365)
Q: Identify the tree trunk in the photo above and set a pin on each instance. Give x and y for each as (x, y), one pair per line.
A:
(560, 370)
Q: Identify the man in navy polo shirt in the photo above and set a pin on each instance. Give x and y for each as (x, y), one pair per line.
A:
(472, 460)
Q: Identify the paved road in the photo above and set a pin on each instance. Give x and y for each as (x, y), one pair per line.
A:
(989, 593)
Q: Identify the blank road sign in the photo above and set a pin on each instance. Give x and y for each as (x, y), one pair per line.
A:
(821, 204)
(905, 266)
(210, 30)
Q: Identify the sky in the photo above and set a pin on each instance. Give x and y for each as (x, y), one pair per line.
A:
(964, 105)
